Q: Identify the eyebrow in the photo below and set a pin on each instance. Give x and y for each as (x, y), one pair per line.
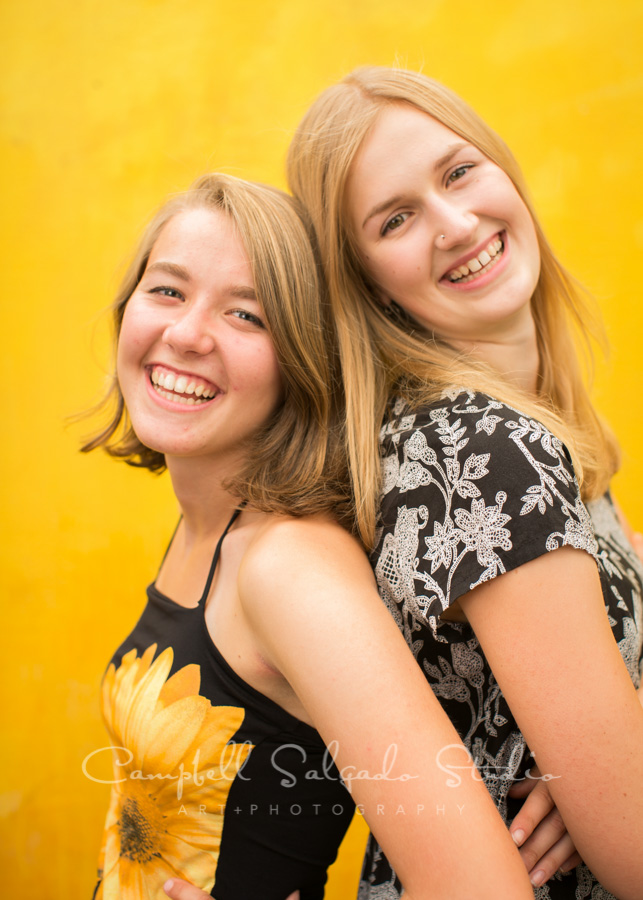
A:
(243, 292)
(438, 164)
(240, 291)
(171, 269)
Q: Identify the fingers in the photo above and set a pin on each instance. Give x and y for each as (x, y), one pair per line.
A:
(540, 833)
(520, 789)
(546, 836)
(181, 890)
(571, 862)
(536, 807)
(562, 856)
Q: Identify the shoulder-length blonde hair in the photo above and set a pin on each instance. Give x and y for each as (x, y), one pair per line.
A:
(381, 352)
(295, 465)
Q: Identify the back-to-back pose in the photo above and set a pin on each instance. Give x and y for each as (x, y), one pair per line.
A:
(263, 641)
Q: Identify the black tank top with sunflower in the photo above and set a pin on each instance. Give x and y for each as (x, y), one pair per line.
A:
(213, 782)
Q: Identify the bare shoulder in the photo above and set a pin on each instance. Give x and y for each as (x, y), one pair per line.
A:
(289, 555)
(281, 541)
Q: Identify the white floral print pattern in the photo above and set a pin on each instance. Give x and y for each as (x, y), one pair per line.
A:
(472, 489)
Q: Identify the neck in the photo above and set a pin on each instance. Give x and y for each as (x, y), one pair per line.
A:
(206, 505)
(513, 353)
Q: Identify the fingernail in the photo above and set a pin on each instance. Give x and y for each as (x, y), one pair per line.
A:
(538, 878)
(518, 835)
(169, 884)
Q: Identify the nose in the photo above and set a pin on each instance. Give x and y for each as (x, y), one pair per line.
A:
(454, 224)
(191, 332)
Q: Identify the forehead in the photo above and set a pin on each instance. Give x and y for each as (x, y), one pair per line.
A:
(401, 124)
(202, 240)
(403, 142)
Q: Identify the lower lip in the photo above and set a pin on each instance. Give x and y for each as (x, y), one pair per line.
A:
(175, 405)
(484, 279)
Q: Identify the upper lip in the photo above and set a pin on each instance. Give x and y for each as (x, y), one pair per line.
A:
(191, 376)
(471, 254)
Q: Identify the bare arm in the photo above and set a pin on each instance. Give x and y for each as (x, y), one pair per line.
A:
(545, 633)
(538, 828)
(310, 594)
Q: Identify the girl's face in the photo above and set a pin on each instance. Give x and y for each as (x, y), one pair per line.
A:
(441, 229)
(196, 365)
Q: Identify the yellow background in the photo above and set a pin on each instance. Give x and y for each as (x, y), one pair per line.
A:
(107, 107)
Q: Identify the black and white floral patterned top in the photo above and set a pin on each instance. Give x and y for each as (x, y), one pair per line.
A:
(472, 489)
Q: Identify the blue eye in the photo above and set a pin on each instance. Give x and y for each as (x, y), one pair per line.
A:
(395, 222)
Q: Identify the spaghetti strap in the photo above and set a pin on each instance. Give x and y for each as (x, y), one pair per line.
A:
(215, 558)
(171, 541)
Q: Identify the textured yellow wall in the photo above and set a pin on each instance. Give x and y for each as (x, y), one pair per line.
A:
(107, 107)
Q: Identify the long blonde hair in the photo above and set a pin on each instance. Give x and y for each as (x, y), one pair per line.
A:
(296, 465)
(382, 353)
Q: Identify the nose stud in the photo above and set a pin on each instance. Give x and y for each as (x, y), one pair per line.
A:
(442, 237)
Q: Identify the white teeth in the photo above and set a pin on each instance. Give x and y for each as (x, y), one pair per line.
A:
(465, 272)
(175, 398)
(171, 386)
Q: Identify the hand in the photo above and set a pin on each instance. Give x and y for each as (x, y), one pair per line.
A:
(181, 890)
(540, 833)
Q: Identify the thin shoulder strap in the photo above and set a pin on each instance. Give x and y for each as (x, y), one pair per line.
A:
(167, 549)
(215, 558)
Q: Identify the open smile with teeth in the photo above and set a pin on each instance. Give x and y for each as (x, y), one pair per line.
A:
(477, 265)
(189, 390)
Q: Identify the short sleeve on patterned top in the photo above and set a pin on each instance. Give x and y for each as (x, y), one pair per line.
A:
(471, 489)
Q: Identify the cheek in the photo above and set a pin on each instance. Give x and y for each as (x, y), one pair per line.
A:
(123, 347)
(133, 342)
(403, 271)
(530, 244)
(132, 332)
(380, 268)
(259, 374)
